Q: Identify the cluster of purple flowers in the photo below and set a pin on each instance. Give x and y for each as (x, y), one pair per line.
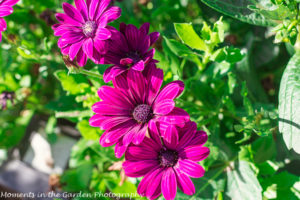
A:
(5, 10)
(158, 139)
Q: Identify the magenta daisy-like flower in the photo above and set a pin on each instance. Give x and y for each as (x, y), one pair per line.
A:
(84, 28)
(129, 49)
(166, 165)
(5, 9)
(136, 99)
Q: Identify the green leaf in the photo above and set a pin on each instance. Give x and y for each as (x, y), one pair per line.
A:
(77, 179)
(188, 36)
(72, 83)
(240, 10)
(88, 132)
(182, 51)
(289, 104)
(242, 182)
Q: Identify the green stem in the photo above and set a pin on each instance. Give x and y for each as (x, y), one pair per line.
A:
(208, 182)
(89, 73)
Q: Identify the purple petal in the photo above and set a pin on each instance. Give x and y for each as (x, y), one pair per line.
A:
(140, 153)
(199, 139)
(114, 96)
(169, 184)
(112, 72)
(140, 135)
(184, 183)
(120, 149)
(105, 108)
(5, 10)
(126, 61)
(82, 8)
(107, 122)
(145, 28)
(139, 168)
(93, 8)
(154, 184)
(72, 12)
(163, 107)
(127, 139)
(170, 137)
(154, 133)
(147, 181)
(9, 2)
(132, 35)
(176, 116)
(65, 19)
(88, 47)
(74, 49)
(170, 91)
(3, 25)
(188, 134)
(102, 7)
(191, 168)
(195, 153)
(137, 84)
(153, 37)
(155, 77)
(111, 14)
(103, 34)
(81, 58)
(139, 66)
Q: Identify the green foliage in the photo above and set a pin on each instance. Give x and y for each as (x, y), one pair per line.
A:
(242, 182)
(289, 105)
(231, 71)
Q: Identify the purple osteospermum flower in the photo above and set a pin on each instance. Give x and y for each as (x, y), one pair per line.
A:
(167, 165)
(129, 48)
(135, 100)
(83, 29)
(5, 9)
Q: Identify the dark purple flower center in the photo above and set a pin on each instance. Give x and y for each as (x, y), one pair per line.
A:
(135, 56)
(168, 158)
(142, 113)
(89, 28)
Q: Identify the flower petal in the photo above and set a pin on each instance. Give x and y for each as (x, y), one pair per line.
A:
(170, 91)
(184, 183)
(5, 10)
(153, 37)
(88, 47)
(169, 184)
(132, 35)
(105, 108)
(195, 153)
(72, 12)
(102, 7)
(82, 8)
(176, 116)
(164, 107)
(155, 77)
(140, 135)
(112, 72)
(137, 84)
(140, 153)
(139, 168)
(65, 19)
(103, 34)
(81, 58)
(93, 9)
(112, 13)
(9, 2)
(74, 49)
(148, 181)
(3, 25)
(114, 96)
(199, 139)
(170, 137)
(191, 168)
(139, 66)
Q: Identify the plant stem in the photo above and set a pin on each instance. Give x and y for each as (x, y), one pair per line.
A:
(89, 73)
(208, 182)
